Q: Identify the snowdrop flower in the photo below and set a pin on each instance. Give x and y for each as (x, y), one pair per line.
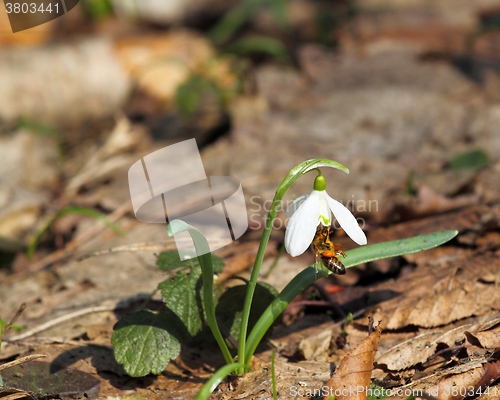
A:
(310, 210)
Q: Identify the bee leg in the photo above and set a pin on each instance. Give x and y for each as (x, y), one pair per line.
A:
(337, 248)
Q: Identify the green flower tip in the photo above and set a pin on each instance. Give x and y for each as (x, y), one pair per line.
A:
(320, 183)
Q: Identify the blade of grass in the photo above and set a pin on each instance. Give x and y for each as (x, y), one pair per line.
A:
(280, 12)
(273, 375)
(215, 379)
(87, 212)
(259, 44)
(233, 20)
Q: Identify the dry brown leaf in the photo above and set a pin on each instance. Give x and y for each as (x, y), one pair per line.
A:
(471, 219)
(287, 338)
(111, 159)
(430, 202)
(28, 174)
(445, 293)
(352, 378)
(410, 352)
(489, 339)
(14, 394)
(418, 349)
(490, 392)
(316, 346)
(458, 386)
(429, 383)
(491, 374)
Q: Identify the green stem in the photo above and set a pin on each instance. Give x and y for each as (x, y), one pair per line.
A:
(295, 173)
(253, 281)
(207, 276)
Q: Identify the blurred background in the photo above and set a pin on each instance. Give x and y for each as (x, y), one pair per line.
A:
(393, 89)
(405, 93)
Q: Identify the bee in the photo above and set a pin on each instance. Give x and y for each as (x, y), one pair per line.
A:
(327, 251)
(329, 260)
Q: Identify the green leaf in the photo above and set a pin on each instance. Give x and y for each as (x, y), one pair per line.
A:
(145, 342)
(36, 127)
(98, 9)
(233, 20)
(259, 44)
(229, 308)
(378, 251)
(410, 183)
(181, 294)
(187, 96)
(217, 264)
(473, 159)
(280, 12)
(170, 260)
(3, 324)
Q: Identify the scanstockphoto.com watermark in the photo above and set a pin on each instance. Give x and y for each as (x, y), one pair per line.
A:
(371, 391)
(259, 208)
(379, 392)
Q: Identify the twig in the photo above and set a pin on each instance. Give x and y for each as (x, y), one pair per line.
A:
(130, 247)
(59, 340)
(61, 319)
(21, 360)
(169, 244)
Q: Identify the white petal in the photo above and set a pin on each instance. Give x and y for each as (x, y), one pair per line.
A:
(295, 205)
(346, 221)
(302, 226)
(324, 213)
